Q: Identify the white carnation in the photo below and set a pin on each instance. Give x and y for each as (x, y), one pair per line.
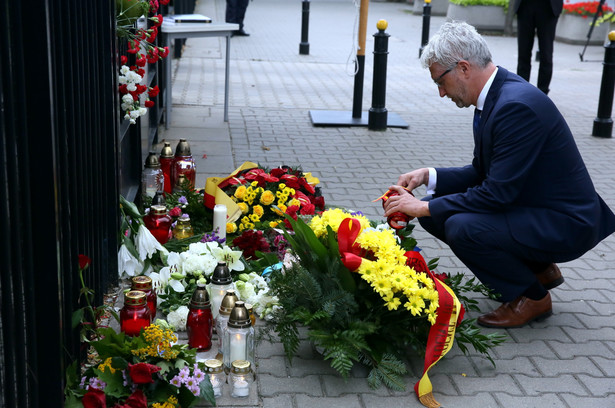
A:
(178, 318)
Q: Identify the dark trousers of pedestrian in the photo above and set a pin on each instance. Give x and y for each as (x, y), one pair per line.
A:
(236, 11)
(536, 18)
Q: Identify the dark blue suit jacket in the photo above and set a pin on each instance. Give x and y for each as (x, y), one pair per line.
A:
(526, 165)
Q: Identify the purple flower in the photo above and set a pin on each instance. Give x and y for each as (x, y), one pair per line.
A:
(176, 381)
(195, 390)
(198, 375)
(184, 374)
(182, 200)
(82, 383)
(97, 383)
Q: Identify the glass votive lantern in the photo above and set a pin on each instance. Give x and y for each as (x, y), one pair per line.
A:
(226, 307)
(152, 178)
(183, 163)
(166, 162)
(135, 314)
(158, 222)
(217, 375)
(238, 338)
(144, 284)
(199, 324)
(183, 229)
(240, 379)
(221, 281)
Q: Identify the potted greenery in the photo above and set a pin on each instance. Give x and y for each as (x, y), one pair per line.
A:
(575, 22)
(485, 15)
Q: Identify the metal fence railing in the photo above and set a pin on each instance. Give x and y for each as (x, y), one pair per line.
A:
(60, 175)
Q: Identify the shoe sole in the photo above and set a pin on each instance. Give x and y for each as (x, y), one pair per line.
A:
(554, 283)
(538, 318)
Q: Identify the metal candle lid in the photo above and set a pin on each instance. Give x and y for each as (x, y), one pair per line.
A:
(134, 298)
(239, 318)
(200, 297)
(240, 367)
(167, 151)
(183, 148)
(158, 209)
(228, 302)
(142, 283)
(221, 275)
(214, 366)
(152, 162)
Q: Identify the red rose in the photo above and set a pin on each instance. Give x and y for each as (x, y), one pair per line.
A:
(149, 104)
(318, 202)
(292, 211)
(175, 212)
(308, 209)
(141, 373)
(123, 59)
(164, 2)
(278, 172)
(136, 400)
(94, 398)
(84, 261)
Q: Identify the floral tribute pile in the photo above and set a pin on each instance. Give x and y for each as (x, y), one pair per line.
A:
(363, 290)
(585, 8)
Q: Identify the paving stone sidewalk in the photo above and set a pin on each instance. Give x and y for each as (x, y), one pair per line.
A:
(566, 361)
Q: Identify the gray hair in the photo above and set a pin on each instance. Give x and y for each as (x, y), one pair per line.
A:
(456, 41)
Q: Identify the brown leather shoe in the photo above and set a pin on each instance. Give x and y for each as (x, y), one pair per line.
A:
(551, 277)
(518, 312)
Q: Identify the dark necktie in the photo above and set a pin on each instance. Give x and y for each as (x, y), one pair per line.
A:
(477, 113)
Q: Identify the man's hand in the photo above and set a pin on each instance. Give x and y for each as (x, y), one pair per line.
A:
(414, 179)
(405, 203)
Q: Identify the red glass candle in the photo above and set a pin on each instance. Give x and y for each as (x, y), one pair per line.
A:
(397, 220)
(158, 222)
(183, 163)
(144, 284)
(200, 321)
(166, 162)
(135, 314)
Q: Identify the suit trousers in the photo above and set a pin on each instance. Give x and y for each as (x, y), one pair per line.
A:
(483, 242)
(535, 17)
(236, 11)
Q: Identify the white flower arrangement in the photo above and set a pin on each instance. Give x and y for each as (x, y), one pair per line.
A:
(178, 318)
(253, 289)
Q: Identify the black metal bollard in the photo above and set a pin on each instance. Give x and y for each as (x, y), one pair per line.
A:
(426, 18)
(304, 45)
(603, 124)
(377, 119)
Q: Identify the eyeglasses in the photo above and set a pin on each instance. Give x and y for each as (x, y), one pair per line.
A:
(438, 80)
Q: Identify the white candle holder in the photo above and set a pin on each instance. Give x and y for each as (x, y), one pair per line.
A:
(240, 379)
(228, 302)
(238, 338)
(217, 376)
(220, 220)
(221, 281)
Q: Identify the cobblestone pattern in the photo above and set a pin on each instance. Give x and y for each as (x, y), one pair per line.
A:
(566, 361)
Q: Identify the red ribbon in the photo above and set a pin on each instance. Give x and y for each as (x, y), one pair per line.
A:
(347, 234)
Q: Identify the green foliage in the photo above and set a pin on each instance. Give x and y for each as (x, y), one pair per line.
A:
(348, 320)
(201, 218)
(500, 3)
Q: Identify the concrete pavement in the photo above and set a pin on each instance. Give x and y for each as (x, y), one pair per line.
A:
(566, 361)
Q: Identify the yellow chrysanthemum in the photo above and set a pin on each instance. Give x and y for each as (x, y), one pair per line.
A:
(415, 305)
(231, 227)
(334, 218)
(158, 343)
(240, 192)
(393, 304)
(273, 224)
(267, 198)
(255, 218)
